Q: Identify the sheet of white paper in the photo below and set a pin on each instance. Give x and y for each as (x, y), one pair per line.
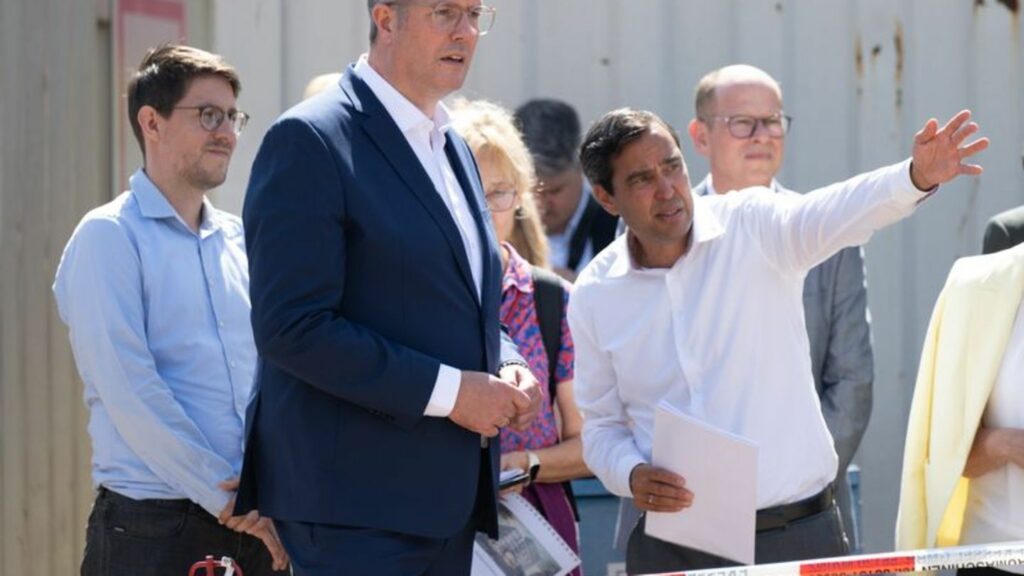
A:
(721, 470)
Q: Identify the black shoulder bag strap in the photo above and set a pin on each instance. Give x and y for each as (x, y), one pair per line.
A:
(549, 301)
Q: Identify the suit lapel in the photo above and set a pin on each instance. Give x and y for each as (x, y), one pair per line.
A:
(991, 312)
(463, 165)
(381, 129)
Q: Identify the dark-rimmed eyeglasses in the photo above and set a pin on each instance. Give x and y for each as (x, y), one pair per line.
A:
(211, 117)
(500, 200)
(743, 127)
(446, 16)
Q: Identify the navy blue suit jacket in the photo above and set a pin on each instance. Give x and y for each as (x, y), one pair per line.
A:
(360, 289)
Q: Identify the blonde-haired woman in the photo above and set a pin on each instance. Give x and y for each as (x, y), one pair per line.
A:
(551, 445)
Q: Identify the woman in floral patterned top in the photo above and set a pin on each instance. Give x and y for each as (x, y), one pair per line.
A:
(506, 169)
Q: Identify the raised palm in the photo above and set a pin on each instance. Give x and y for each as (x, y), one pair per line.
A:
(939, 153)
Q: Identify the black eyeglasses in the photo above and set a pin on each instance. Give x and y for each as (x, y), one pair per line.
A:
(743, 127)
(446, 16)
(211, 117)
(500, 200)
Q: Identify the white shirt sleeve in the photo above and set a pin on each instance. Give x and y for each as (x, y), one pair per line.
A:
(446, 390)
(609, 448)
(799, 232)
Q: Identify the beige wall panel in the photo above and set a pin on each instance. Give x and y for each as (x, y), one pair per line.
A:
(54, 135)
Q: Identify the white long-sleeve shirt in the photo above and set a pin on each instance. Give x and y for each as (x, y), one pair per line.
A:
(721, 333)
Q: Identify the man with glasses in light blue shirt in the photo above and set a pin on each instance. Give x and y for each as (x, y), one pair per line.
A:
(154, 289)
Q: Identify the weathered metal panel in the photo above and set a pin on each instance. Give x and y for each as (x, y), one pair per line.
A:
(54, 135)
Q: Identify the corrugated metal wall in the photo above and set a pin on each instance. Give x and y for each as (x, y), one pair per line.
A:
(860, 76)
(54, 103)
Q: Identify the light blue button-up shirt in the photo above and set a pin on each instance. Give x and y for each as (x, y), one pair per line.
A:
(158, 317)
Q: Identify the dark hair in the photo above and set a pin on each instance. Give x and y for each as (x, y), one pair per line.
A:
(164, 76)
(551, 130)
(609, 136)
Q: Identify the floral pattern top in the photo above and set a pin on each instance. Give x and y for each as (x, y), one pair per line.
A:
(519, 314)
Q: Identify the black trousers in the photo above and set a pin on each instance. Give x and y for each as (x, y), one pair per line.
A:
(818, 536)
(162, 538)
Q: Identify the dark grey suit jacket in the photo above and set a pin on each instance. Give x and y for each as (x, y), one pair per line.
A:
(1004, 230)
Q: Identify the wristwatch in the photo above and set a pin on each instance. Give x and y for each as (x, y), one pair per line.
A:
(533, 465)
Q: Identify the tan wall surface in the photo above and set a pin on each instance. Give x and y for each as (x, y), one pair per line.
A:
(54, 118)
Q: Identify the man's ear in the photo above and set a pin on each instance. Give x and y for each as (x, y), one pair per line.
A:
(700, 137)
(386, 19)
(605, 199)
(150, 122)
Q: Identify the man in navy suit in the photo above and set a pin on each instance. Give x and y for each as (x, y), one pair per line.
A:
(375, 282)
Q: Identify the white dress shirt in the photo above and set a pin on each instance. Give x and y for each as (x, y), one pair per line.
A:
(427, 137)
(995, 504)
(720, 334)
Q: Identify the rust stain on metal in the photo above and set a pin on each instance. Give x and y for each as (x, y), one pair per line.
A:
(778, 7)
(858, 57)
(979, 3)
(875, 51)
(1011, 5)
(897, 44)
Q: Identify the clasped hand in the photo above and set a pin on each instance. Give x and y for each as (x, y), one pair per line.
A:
(486, 403)
(253, 524)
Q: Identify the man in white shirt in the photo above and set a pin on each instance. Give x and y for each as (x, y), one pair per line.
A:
(740, 127)
(699, 305)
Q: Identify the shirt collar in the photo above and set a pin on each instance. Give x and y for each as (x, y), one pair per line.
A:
(153, 204)
(406, 115)
(518, 274)
(705, 228)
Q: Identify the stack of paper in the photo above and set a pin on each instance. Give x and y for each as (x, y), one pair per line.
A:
(720, 469)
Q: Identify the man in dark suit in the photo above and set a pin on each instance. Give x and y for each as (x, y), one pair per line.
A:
(1004, 230)
(576, 226)
(375, 282)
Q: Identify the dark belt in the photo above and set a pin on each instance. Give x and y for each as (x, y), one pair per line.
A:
(173, 505)
(780, 516)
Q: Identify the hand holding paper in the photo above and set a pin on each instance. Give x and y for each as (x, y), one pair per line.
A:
(658, 490)
(719, 466)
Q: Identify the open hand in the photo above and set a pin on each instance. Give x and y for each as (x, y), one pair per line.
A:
(939, 152)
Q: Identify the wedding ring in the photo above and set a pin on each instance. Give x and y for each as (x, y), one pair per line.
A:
(650, 498)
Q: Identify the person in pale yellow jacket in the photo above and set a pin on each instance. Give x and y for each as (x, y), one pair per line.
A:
(964, 457)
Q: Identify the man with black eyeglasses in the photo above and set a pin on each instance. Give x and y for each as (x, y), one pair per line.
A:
(740, 127)
(153, 287)
(376, 286)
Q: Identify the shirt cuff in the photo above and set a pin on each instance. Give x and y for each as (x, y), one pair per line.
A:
(446, 389)
(215, 501)
(620, 484)
(907, 193)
